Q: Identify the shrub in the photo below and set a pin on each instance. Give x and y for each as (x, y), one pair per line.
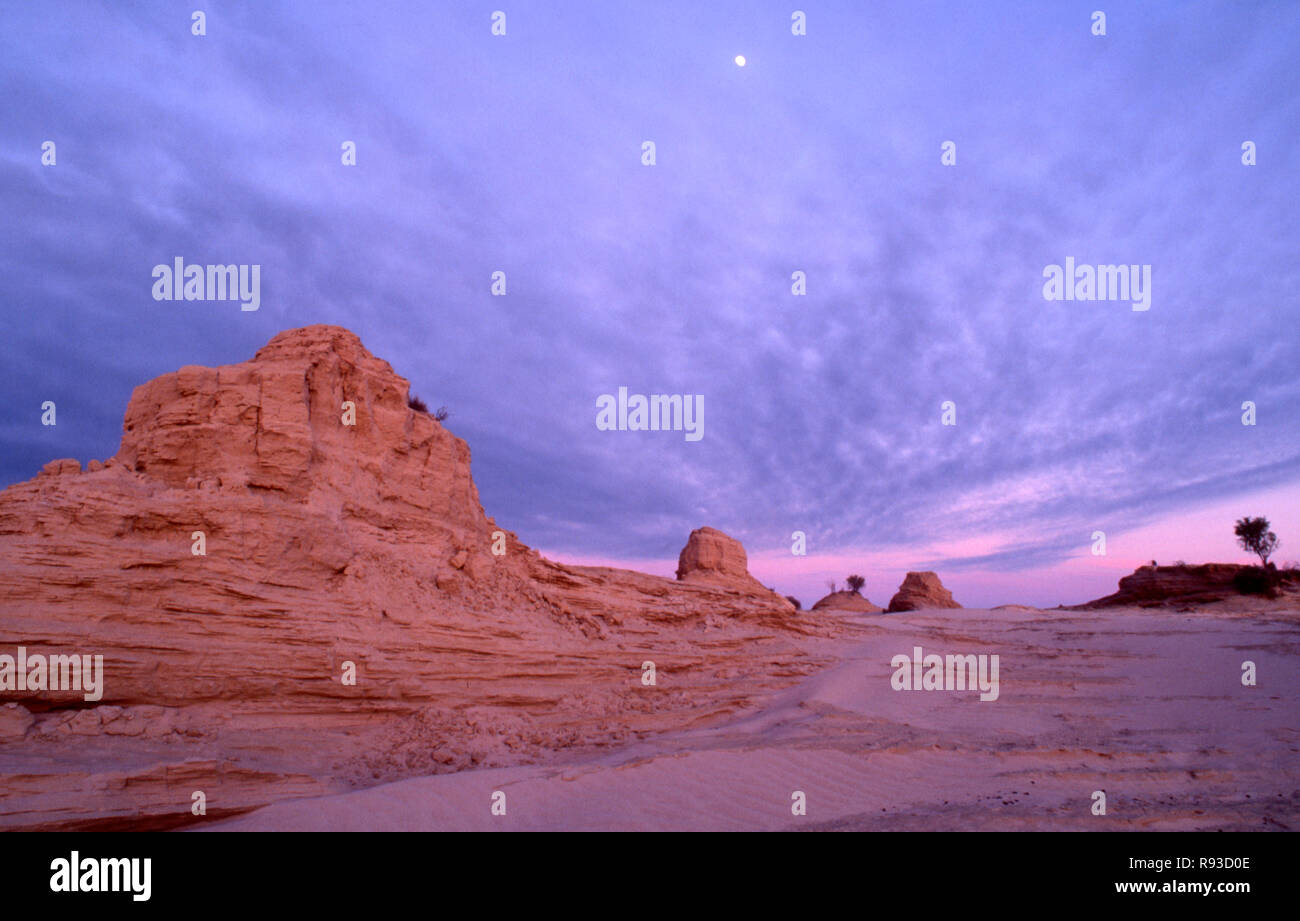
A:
(855, 583)
(1255, 580)
(420, 406)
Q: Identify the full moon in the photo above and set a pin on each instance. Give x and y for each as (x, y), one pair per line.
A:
(740, 60)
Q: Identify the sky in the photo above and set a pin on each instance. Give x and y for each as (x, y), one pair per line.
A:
(522, 153)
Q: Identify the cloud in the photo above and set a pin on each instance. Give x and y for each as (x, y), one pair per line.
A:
(924, 282)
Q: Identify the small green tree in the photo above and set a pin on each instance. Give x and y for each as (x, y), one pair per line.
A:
(855, 583)
(1253, 535)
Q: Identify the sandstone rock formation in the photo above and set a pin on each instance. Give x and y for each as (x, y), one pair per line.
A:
(847, 601)
(1147, 586)
(711, 557)
(270, 528)
(921, 590)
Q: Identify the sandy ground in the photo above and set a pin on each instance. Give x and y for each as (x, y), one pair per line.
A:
(1146, 705)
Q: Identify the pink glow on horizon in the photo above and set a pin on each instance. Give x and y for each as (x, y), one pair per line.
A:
(1199, 535)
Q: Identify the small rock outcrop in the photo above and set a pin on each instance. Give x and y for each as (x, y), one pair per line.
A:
(714, 557)
(1149, 586)
(921, 590)
(848, 601)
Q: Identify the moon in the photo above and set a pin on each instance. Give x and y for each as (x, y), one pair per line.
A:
(740, 60)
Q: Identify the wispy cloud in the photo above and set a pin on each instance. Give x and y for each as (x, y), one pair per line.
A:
(522, 154)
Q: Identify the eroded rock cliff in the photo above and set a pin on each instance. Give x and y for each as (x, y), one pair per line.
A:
(270, 529)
